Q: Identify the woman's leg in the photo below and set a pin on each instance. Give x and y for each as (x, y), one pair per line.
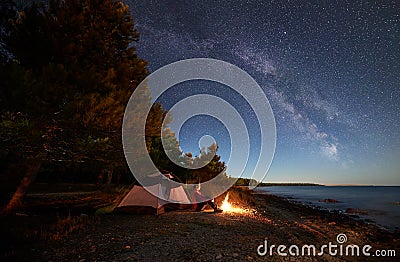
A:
(200, 206)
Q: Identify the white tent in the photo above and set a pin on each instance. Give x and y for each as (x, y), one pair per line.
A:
(140, 200)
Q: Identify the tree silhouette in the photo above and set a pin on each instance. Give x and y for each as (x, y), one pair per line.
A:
(212, 168)
(64, 91)
(73, 71)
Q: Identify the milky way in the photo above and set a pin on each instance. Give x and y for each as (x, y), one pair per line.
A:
(329, 68)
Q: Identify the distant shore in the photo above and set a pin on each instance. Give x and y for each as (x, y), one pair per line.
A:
(316, 184)
(289, 184)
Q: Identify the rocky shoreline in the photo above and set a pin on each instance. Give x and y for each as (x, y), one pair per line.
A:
(207, 236)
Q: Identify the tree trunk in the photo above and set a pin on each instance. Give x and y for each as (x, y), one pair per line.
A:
(107, 185)
(109, 176)
(32, 169)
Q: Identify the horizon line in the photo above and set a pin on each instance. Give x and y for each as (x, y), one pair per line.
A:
(333, 184)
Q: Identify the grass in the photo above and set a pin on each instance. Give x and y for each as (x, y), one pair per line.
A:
(64, 226)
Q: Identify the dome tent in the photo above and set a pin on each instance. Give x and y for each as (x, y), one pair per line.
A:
(139, 200)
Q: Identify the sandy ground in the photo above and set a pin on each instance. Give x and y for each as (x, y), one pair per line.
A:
(208, 236)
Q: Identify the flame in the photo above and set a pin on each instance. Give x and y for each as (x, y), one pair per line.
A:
(226, 206)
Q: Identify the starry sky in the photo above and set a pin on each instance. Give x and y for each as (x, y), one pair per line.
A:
(330, 70)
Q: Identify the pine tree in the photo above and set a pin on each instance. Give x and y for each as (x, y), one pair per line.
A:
(73, 72)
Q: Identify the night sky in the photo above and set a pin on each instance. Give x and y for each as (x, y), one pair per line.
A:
(330, 69)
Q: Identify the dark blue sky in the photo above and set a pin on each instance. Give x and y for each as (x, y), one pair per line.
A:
(330, 70)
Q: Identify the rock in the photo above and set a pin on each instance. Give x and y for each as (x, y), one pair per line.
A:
(218, 257)
(329, 200)
(235, 254)
(356, 211)
(21, 215)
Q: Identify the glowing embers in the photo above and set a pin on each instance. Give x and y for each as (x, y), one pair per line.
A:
(228, 208)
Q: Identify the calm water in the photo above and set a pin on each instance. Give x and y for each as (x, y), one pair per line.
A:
(378, 202)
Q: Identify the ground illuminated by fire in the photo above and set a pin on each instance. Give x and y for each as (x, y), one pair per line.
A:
(228, 208)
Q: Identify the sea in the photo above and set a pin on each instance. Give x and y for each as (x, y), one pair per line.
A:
(379, 204)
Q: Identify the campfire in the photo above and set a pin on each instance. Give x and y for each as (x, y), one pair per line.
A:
(228, 208)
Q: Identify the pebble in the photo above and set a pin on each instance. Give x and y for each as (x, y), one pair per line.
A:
(218, 257)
